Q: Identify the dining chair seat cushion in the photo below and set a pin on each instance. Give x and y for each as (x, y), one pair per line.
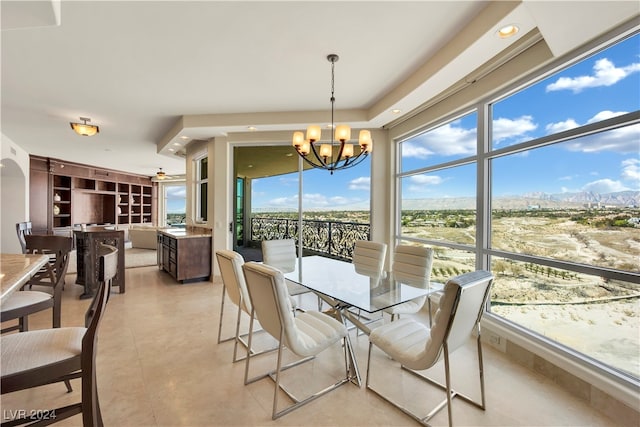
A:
(409, 342)
(403, 340)
(24, 298)
(316, 332)
(412, 306)
(34, 349)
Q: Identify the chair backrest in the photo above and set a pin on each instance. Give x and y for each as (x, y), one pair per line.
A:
(369, 257)
(107, 270)
(23, 229)
(272, 305)
(58, 248)
(412, 265)
(280, 254)
(460, 310)
(230, 263)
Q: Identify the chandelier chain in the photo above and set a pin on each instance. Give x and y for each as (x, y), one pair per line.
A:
(333, 98)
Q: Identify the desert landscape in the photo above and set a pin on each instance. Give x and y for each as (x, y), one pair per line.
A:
(595, 316)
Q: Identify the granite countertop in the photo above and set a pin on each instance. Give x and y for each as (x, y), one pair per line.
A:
(16, 269)
(181, 233)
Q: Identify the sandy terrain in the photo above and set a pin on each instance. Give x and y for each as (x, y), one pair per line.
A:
(580, 311)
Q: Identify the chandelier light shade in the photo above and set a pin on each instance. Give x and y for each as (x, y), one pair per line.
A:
(340, 151)
(84, 128)
(160, 174)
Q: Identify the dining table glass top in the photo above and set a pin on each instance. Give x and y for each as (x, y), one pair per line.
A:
(340, 281)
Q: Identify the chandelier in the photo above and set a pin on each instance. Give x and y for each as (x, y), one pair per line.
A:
(339, 152)
(84, 129)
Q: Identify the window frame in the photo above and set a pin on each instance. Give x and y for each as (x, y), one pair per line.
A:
(483, 157)
(198, 182)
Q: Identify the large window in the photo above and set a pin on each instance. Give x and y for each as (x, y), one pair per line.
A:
(437, 191)
(175, 204)
(559, 221)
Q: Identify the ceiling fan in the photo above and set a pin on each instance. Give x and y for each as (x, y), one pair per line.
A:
(161, 176)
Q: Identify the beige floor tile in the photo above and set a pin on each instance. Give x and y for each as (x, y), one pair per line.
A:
(159, 364)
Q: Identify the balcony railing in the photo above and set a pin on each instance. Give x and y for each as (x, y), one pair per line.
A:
(329, 238)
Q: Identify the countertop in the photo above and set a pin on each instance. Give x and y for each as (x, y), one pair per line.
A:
(181, 233)
(16, 269)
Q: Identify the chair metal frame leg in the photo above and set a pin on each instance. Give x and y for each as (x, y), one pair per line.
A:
(450, 392)
(238, 338)
(275, 377)
(221, 340)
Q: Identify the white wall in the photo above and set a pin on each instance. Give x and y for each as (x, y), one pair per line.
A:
(14, 193)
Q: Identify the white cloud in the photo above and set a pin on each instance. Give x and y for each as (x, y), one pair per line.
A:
(570, 123)
(312, 201)
(176, 191)
(605, 73)
(426, 179)
(447, 140)
(504, 128)
(421, 184)
(604, 186)
(361, 183)
(631, 171)
(552, 128)
(621, 140)
(604, 115)
(283, 202)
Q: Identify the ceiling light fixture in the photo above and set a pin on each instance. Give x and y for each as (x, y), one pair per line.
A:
(507, 31)
(339, 153)
(84, 129)
(160, 174)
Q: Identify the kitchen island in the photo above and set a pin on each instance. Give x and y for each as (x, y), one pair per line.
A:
(185, 253)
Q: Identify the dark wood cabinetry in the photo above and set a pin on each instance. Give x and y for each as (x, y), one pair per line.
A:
(63, 194)
(185, 256)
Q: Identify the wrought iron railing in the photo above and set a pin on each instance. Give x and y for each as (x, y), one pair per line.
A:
(330, 238)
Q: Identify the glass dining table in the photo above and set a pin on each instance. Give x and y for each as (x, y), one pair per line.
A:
(342, 287)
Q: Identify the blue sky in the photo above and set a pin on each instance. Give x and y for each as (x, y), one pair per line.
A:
(600, 87)
(176, 198)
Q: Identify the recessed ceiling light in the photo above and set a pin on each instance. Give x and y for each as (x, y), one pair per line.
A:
(177, 144)
(252, 128)
(249, 166)
(396, 111)
(171, 149)
(507, 31)
(184, 138)
(289, 154)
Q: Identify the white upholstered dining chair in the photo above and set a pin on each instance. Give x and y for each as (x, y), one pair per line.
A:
(412, 266)
(305, 335)
(234, 286)
(369, 257)
(417, 347)
(230, 263)
(281, 254)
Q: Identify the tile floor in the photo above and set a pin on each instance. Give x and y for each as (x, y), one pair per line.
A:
(159, 364)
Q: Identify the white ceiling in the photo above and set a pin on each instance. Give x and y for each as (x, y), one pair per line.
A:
(148, 72)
